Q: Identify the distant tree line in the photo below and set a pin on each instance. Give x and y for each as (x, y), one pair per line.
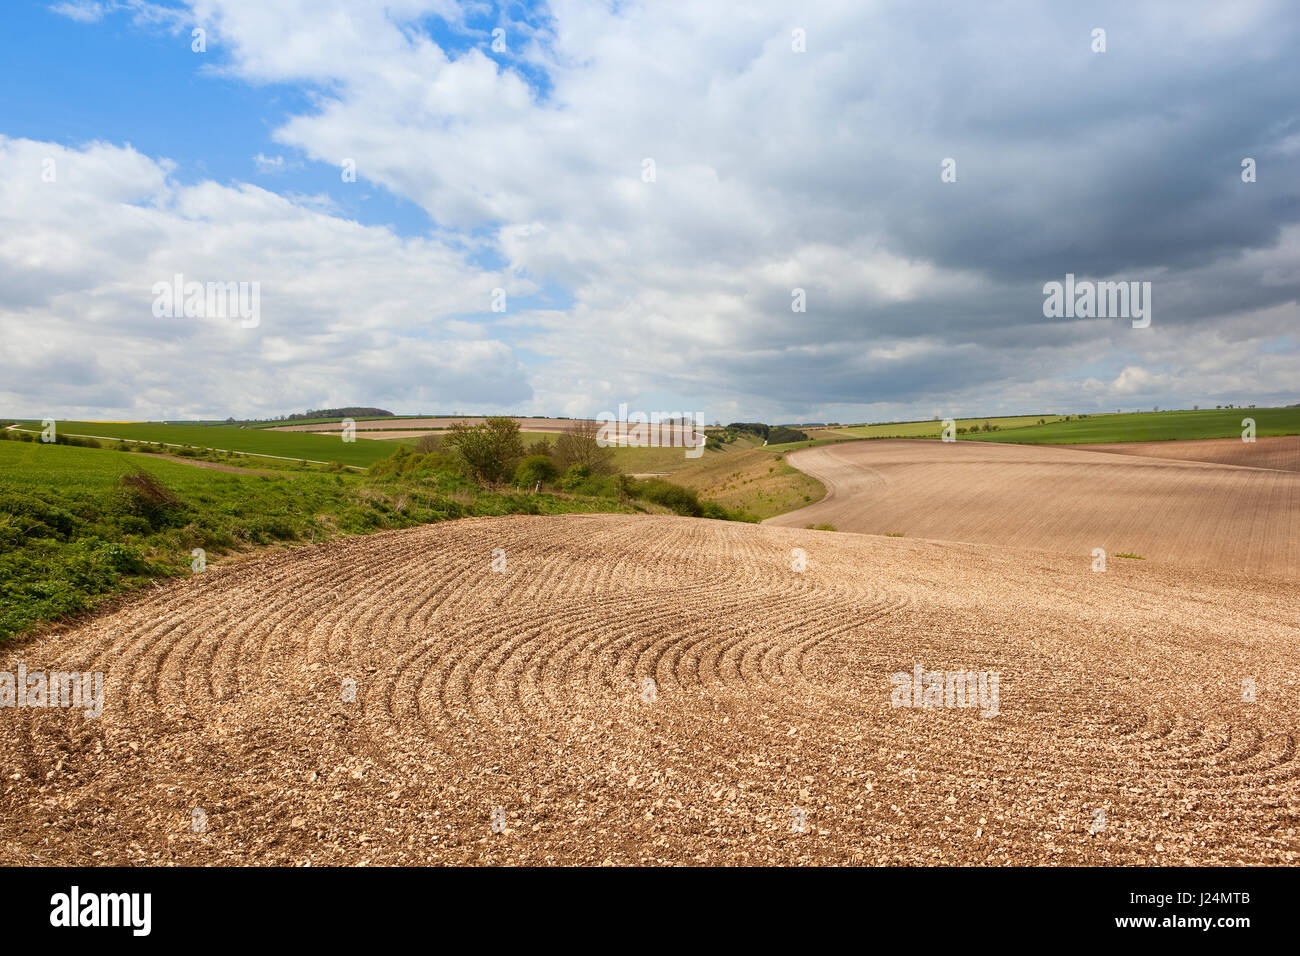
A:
(352, 411)
(772, 434)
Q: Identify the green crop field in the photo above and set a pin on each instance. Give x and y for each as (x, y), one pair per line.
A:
(1152, 426)
(927, 429)
(529, 438)
(252, 441)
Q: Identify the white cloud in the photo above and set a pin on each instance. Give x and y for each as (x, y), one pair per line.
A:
(347, 311)
(273, 165)
(142, 12)
(774, 170)
(83, 11)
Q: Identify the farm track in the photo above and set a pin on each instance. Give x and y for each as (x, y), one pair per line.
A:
(526, 691)
(1067, 499)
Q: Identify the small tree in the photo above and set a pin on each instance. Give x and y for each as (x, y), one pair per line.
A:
(426, 444)
(491, 450)
(577, 445)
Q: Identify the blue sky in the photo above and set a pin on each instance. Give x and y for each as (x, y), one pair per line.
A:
(522, 170)
(143, 85)
(116, 79)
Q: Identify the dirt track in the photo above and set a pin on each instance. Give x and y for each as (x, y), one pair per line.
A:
(1191, 513)
(523, 690)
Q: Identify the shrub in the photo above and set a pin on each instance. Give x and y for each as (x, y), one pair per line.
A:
(578, 445)
(36, 518)
(490, 450)
(534, 469)
(133, 524)
(681, 500)
(121, 558)
(143, 495)
(77, 441)
(575, 476)
(711, 509)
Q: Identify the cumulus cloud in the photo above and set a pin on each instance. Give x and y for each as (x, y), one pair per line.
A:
(346, 309)
(776, 170)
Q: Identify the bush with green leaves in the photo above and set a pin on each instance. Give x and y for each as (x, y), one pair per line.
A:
(536, 469)
(681, 500)
(575, 476)
(490, 451)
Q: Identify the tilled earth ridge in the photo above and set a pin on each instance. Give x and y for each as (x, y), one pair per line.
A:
(516, 700)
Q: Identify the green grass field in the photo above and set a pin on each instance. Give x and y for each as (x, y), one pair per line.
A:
(928, 429)
(529, 438)
(252, 441)
(1151, 426)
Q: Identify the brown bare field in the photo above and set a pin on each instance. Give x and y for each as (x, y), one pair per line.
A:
(1059, 499)
(770, 736)
(1281, 453)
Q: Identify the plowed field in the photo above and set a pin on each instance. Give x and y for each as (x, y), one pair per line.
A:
(506, 716)
(1190, 513)
(1279, 453)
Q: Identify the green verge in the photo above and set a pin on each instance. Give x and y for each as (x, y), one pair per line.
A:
(72, 535)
